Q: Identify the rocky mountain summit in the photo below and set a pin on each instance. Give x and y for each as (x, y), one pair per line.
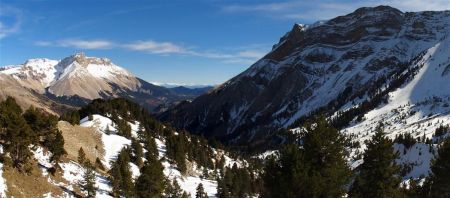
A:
(329, 67)
(77, 79)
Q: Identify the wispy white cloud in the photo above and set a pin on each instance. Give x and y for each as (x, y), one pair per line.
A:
(77, 43)
(156, 47)
(86, 44)
(14, 22)
(241, 54)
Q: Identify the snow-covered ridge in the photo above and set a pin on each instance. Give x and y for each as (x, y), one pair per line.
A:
(49, 71)
(86, 77)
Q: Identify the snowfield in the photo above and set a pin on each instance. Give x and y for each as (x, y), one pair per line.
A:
(112, 142)
(419, 107)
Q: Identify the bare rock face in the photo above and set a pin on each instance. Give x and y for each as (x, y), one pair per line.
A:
(76, 80)
(311, 67)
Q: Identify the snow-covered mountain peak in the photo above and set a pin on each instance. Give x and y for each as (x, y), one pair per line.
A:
(319, 67)
(81, 65)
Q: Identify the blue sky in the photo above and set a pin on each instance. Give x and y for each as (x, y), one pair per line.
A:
(186, 42)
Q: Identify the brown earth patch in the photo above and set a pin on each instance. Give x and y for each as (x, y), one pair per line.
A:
(76, 137)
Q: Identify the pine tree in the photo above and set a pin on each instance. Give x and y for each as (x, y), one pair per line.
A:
(200, 192)
(378, 176)
(185, 195)
(120, 175)
(173, 190)
(151, 181)
(222, 189)
(16, 134)
(88, 182)
(150, 146)
(285, 176)
(56, 145)
(138, 152)
(439, 180)
(324, 148)
(81, 156)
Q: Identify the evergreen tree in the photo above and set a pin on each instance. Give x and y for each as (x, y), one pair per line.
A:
(56, 145)
(120, 175)
(150, 146)
(185, 195)
(16, 134)
(173, 190)
(151, 181)
(222, 189)
(438, 183)
(138, 152)
(325, 152)
(286, 176)
(88, 182)
(378, 174)
(176, 150)
(200, 192)
(81, 156)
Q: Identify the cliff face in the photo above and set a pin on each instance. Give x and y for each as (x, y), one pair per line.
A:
(311, 67)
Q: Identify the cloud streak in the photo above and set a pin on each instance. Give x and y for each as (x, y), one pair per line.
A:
(242, 55)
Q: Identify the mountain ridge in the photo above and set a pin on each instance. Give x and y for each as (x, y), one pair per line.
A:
(77, 79)
(310, 68)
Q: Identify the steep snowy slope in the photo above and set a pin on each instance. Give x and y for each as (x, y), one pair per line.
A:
(325, 65)
(417, 108)
(78, 78)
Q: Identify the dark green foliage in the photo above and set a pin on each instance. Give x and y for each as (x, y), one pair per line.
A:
(236, 182)
(123, 128)
(325, 153)
(150, 146)
(34, 127)
(200, 192)
(176, 146)
(378, 175)
(73, 117)
(185, 195)
(151, 182)
(56, 145)
(138, 153)
(317, 170)
(41, 123)
(287, 175)
(438, 183)
(44, 127)
(120, 175)
(16, 133)
(199, 151)
(406, 139)
(88, 182)
(173, 190)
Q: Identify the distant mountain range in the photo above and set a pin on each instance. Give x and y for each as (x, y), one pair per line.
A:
(77, 79)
